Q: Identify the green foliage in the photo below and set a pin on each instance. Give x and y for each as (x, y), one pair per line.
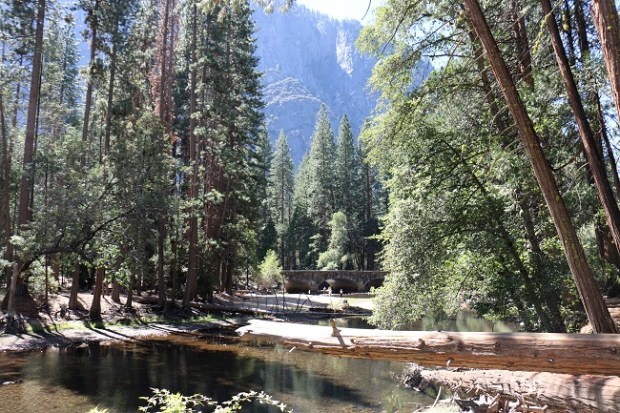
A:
(269, 271)
(321, 179)
(281, 190)
(466, 220)
(336, 255)
(164, 401)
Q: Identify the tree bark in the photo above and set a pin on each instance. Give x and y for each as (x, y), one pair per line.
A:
(27, 178)
(524, 58)
(582, 273)
(5, 214)
(95, 307)
(192, 271)
(89, 83)
(75, 288)
(10, 308)
(582, 30)
(605, 16)
(548, 352)
(108, 115)
(559, 392)
(116, 292)
(590, 147)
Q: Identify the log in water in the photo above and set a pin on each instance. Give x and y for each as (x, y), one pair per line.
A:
(597, 354)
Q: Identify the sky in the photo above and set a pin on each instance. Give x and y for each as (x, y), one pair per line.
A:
(344, 9)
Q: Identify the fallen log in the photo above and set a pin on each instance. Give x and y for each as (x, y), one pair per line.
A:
(524, 391)
(555, 353)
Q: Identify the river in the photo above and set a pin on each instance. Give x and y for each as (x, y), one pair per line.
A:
(115, 376)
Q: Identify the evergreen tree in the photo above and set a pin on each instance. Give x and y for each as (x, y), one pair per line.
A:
(336, 256)
(267, 238)
(321, 176)
(281, 191)
(347, 171)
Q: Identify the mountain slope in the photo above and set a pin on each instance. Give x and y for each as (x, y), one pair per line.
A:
(308, 59)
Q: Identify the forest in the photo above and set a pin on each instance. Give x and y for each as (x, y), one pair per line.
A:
(152, 168)
(493, 183)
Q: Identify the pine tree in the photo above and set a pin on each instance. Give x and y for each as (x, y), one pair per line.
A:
(321, 175)
(281, 191)
(265, 227)
(347, 170)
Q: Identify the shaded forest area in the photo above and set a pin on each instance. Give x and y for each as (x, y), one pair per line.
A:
(151, 168)
(492, 184)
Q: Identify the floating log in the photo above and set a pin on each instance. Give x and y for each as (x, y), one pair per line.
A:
(526, 391)
(555, 353)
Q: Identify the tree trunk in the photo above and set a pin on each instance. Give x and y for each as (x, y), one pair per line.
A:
(95, 307)
(116, 291)
(108, 115)
(192, 271)
(5, 198)
(10, 308)
(558, 392)
(75, 288)
(552, 321)
(161, 287)
(541, 352)
(582, 30)
(524, 58)
(25, 190)
(584, 279)
(605, 16)
(610, 151)
(590, 147)
(130, 286)
(567, 28)
(89, 83)
(27, 178)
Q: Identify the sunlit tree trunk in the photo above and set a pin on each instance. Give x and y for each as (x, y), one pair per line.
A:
(591, 297)
(588, 141)
(26, 184)
(552, 321)
(75, 288)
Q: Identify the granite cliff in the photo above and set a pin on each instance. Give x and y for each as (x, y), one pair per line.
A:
(307, 59)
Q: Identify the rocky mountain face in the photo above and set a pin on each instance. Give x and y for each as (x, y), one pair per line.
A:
(307, 59)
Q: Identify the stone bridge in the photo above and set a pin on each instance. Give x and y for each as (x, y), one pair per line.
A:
(347, 281)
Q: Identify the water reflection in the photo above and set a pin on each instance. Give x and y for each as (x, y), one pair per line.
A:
(114, 377)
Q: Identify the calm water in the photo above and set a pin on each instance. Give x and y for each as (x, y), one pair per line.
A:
(114, 377)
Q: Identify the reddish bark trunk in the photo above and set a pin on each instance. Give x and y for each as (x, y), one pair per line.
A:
(89, 84)
(192, 271)
(590, 147)
(584, 279)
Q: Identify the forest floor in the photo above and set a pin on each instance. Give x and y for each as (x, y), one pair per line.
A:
(54, 325)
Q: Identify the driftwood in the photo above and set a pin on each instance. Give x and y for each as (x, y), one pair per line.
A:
(524, 391)
(555, 353)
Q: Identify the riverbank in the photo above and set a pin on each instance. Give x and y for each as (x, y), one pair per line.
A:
(54, 325)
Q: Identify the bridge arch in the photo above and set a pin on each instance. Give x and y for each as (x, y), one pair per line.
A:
(298, 286)
(375, 282)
